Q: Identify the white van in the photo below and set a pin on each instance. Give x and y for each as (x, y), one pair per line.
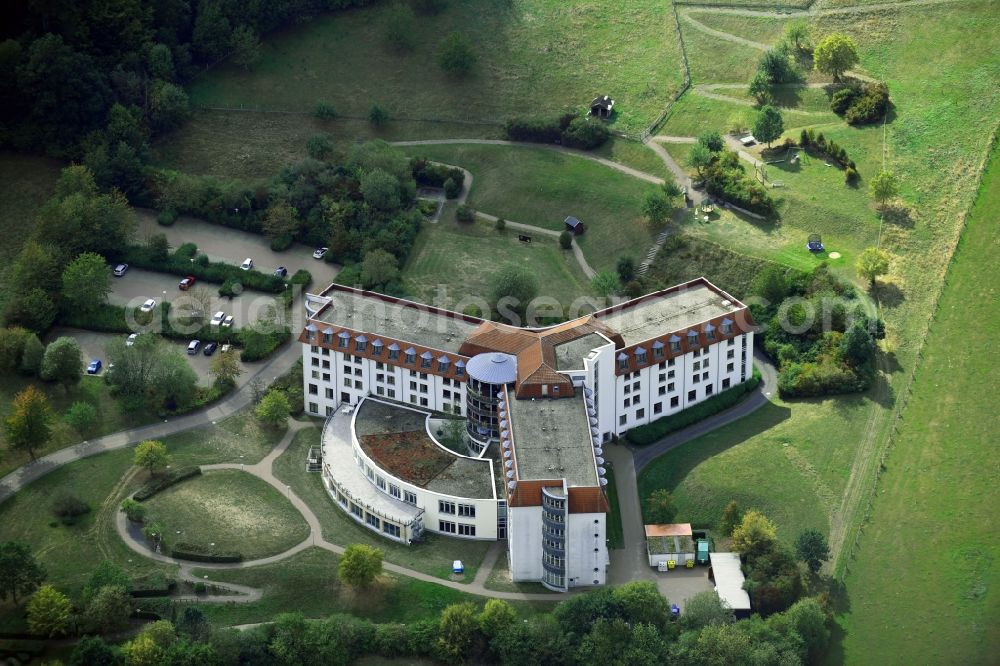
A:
(247, 264)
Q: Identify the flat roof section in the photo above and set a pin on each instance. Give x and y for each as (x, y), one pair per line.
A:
(552, 440)
(396, 439)
(675, 310)
(729, 580)
(401, 320)
(570, 355)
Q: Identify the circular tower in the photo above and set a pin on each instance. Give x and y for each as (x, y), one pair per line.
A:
(488, 374)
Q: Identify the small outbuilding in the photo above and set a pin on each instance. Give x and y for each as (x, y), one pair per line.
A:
(574, 226)
(670, 542)
(728, 577)
(602, 106)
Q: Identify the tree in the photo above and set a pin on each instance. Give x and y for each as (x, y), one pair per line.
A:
(360, 565)
(20, 574)
(457, 630)
(808, 620)
(604, 283)
(496, 616)
(175, 383)
(640, 602)
(61, 362)
(771, 285)
(150, 646)
(731, 517)
(93, 651)
(857, 346)
(699, 158)
(151, 455)
(12, 342)
(565, 240)
(452, 188)
(378, 116)
(797, 32)
(399, 27)
(82, 417)
(811, 548)
(160, 62)
(625, 268)
(872, 263)
(671, 190)
(776, 66)
(33, 309)
(225, 366)
(656, 208)
(769, 125)
(158, 246)
(835, 54)
(660, 507)
(49, 612)
(281, 221)
(29, 424)
(87, 281)
(883, 187)
(109, 609)
(455, 55)
(380, 189)
(106, 573)
(705, 609)
(760, 87)
(319, 146)
(31, 355)
(246, 47)
(712, 140)
(512, 289)
(755, 534)
(378, 269)
(273, 408)
(168, 107)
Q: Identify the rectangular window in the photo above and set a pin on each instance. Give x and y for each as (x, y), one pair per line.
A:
(373, 520)
(640, 414)
(423, 402)
(392, 393)
(623, 364)
(409, 498)
(640, 359)
(357, 385)
(413, 386)
(446, 526)
(394, 490)
(670, 363)
(326, 376)
(446, 507)
(704, 363)
(467, 510)
(357, 511)
(696, 366)
(329, 393)
(313, 389)
(391, 380)
(628, 389)
(675, 401)
(621, 419)
(663, 390)
(731, 353)
(662, 377)
(390, 529)
(380, 482)
(376, 350)
(675, 345)
(313, 407)
(326, 365)
(315, 374)
(727, 329)
(425, 363)
(466, 530)
(315, 361)
(658, 408)
(708, 390)
(729, 367)
(725, 383)
(670, 386)
(710, 334)
(692, 395)
(379, 390)
(704, 376)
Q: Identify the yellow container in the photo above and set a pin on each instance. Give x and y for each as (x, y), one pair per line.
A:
(671, 564)
(689, 564)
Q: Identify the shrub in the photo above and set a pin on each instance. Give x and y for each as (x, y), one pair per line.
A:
(536, 130)
(851, 176)
(452, 188)
(133, 510)
(67, 507)
(871, 106)
(585, 134)
(652, 432)
(378, 116)
(455, 55)
(155, 584)
(434, 175)
(82, 417)
(200, 588)
(501, 224)
(319, 146)
(804, 138)
(324, 111)
(465, 214)
(565, 240)
(257, 345)
(179, 263)
(164, 481)
(843, 99)
(569, 129)
(166, 217)
(282, 243)
(199, 553)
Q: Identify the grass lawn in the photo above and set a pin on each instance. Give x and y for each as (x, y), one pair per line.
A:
(27, 182)
(458, 261)
(616, 534)
(690, 256)
(543, 56)
(308, 583)
(239, 438)
(433, 556)
(633, 154)
(924, 585)
(542, 187)
(91, 390)
(499, 580)
(694, 114)
(231, 509)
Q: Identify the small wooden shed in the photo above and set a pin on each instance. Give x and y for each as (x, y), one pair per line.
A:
(602, 106)
(574, 226)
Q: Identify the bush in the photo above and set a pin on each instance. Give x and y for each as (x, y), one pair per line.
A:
(568, 129)
(166, 217)
(180, 264)
(200, 588)
(501, 224)
(465, 214)
(434, 175)
(82, 417)
(282, 243)
(378, 116)
(452, 188)
(164, 481)
(154, 584)
(324, 111)
(565, 240)
(585, 134)
(133, 510)
(645, 435)
(105, 318)
(843, 99)
(319, 146)
(257, 345)
(67, 507)
(871, 106)
(536, 130)
(804, 138)
(199, 553)
(725, 178)
(851, 176)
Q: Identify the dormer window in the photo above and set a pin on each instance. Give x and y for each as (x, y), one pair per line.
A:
(692, 338)
(640, 356)
(360, 343)
(709, 331)
(328, 336)
(425, 359)
(310, 332)
(410, 355)
(675, 344)
(622, 362)
(460, 369)
(393, 352)
(657, 349)
(342, 339)
(377, 348)
(443, 364)
(727, 327)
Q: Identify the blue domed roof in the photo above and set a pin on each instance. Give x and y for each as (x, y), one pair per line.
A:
(493, 368)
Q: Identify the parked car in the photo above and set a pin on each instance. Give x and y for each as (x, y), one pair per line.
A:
(217, 318)
(94, 367)
(148, 305)
(130, 340)
(247, 264)
(225, 348)
(281, 271)
(815, 243)
(186, 283)
(194, 346)
(210, 348)
(227, 322)
(320, 252)
(120, 270)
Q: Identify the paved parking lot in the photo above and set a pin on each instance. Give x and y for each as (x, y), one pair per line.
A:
(233, 246)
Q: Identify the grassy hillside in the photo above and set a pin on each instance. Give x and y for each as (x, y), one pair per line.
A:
(925, 587)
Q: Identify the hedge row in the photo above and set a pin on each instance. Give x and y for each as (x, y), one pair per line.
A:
(180, 263)
(434, 175)
(155, 584)
(108, 318)
(647, 434)
(568, 130)
(164, 481)
(257, 345)
(198, 553)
